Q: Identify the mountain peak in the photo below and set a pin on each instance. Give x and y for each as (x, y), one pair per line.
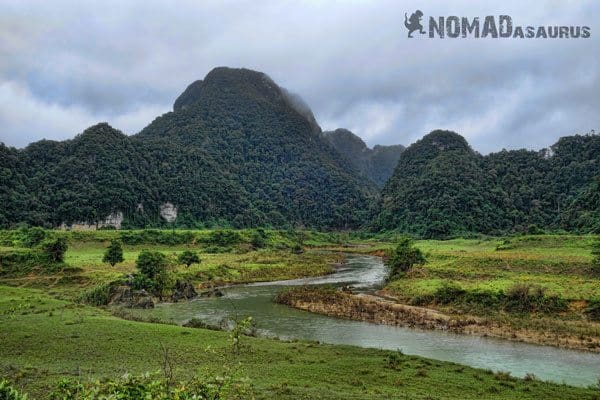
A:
(225, 82)
(445, 140)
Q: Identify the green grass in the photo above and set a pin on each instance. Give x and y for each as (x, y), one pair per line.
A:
(45, 336)
(44, 339)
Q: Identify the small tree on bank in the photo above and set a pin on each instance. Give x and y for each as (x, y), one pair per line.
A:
(403, 258)
(114, 253)
(188, 258)
(152, 272)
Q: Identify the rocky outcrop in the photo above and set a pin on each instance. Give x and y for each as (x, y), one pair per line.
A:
(125, 296)
(183, 291)
(168, 212)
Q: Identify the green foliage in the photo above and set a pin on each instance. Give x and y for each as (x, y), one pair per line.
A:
(377, 163)
(258, 238)
(188, 258)
(240, 328)
(7, 392)
(519, 298)
(32, 237)
(223, 238)
(97, 296)
(404, 257)
(152, 386)
(156, 236)
(55, 248)
(441, 188)
(235, 152)
(114, 253)
(152, 272)
(596, 257)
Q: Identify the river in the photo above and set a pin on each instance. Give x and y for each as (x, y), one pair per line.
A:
(365, 273)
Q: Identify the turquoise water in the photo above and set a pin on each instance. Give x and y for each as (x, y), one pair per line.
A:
(365, 273)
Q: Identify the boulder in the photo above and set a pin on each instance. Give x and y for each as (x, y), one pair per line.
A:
(184, 291)
(125, 296)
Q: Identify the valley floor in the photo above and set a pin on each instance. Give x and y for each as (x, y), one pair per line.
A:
(46, 335)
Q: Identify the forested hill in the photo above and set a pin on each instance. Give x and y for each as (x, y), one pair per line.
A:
(377, 163)
(441, 188)
(237, 150)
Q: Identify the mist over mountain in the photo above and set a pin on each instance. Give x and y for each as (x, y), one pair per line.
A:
(377, 163)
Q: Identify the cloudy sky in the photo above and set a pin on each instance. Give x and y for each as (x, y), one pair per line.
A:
(65, 65)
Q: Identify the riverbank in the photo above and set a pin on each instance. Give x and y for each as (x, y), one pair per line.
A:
(374, 309)
(45, 340)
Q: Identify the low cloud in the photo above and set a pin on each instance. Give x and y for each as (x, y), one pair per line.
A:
(65, 66)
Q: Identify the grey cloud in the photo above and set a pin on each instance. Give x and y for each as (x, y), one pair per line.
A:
(72, 63)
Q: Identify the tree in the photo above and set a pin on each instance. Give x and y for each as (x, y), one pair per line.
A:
(152, 272)
(188, 258)
(55, 249)
(403, 258)
(114, 253)
(151, 263)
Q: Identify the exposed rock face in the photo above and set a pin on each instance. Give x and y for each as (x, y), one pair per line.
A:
(168, 212)
(114, 219)
(125, 296)
(184, 291)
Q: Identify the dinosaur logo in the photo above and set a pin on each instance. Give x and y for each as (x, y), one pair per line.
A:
(414, 22)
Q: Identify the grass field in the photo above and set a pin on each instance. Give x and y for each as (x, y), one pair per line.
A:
(45, 335)
(44, 339)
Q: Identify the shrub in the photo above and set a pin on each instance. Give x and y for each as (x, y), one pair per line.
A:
(7, 392)
(404, 257)
(114, 253)
(448, 293)
(223, 238)
(155, 236)
(258, 239)
(55, 249)
(592, 311)
(97, 296)
(32, 237)
(188, 258)
(226, 386)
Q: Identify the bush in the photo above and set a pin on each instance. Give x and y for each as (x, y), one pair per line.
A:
(188, 258)
(149, 386)
(114, 253)
(404, 257)
(258, 239)
(97, 296)
(55, 249)
(523, 297)
(518, 298)
(7, 392)
(32, 237)
(448, 293)
(223, 238)
(592, 311)
(155, 236)
(152, 272)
